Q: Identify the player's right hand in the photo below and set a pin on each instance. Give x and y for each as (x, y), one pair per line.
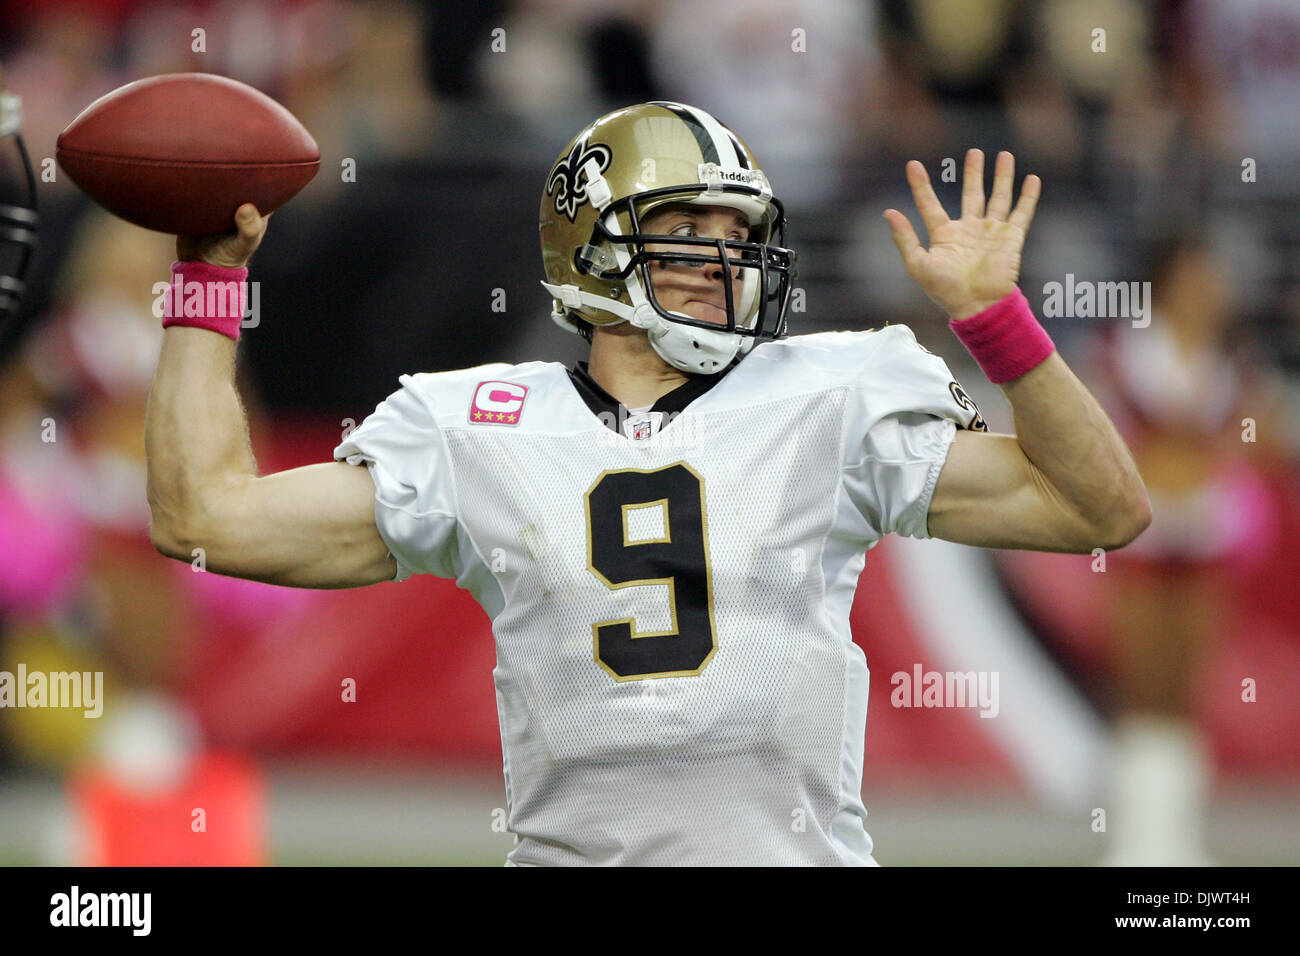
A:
(231, 250)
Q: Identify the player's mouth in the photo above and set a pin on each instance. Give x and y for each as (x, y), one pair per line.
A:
(707, 311)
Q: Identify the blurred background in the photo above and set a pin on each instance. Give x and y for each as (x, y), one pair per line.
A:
(1159, 685)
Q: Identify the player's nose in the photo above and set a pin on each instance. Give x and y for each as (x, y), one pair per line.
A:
(715, 272)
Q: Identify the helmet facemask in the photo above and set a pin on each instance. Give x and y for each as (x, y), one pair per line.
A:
(756, 299)
(18, 219)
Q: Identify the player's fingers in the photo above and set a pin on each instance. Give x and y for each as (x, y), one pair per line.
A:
(1004, 174)
(1023, 214)
(250, 224)
(972, 185)
(927, 203)
(909, 246)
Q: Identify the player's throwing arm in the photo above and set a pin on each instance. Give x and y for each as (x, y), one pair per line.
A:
(307, 527)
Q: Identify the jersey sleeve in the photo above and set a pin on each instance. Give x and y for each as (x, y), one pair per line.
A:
(902, 414)
(415, 505)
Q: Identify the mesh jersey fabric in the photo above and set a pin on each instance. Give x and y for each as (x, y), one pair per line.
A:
(748, 515)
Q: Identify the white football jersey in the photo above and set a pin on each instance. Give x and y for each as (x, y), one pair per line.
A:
(676, 680)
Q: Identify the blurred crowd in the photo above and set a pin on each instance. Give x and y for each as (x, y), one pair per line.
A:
(1166, 134)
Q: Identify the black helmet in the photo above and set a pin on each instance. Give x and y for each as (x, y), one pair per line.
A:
(18, 219)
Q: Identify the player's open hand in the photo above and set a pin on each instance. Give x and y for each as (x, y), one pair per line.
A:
(229, 249)
(973, 261)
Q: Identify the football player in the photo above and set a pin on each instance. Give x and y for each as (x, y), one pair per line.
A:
(18, 220)
(668, 537)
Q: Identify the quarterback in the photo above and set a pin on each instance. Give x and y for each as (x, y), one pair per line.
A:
(667, 537)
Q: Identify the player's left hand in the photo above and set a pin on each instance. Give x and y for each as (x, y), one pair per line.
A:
(973, 261)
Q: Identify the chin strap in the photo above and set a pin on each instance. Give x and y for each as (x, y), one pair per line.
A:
(571, 297)
(684, 347)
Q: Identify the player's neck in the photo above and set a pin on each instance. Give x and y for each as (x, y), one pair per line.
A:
(624, 364)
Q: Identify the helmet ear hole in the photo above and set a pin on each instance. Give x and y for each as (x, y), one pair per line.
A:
(594, 260)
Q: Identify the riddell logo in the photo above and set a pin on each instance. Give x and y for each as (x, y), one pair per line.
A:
(498, 403)
(713, 174)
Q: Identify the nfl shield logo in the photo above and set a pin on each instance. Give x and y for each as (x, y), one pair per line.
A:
(641, 429)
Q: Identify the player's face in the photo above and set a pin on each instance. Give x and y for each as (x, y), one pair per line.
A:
(694, 290)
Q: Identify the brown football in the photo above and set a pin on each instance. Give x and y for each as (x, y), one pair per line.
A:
(181, 152)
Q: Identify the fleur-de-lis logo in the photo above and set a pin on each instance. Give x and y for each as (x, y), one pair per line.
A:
(977, 423)
(568, 181)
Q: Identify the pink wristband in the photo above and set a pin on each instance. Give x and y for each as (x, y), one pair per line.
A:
(1005, 339)
(210, 297)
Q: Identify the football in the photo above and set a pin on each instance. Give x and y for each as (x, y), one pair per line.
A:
(181, 152)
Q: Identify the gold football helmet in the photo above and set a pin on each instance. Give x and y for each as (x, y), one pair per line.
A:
(600, 189)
